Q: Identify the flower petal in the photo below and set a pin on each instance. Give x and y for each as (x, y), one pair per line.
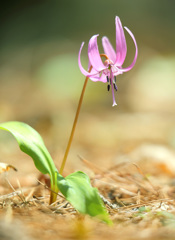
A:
(96, 75)
(108, 49)
(103, 78)
(136, 52)
(94, 55)
(121, 47)
(87, 74)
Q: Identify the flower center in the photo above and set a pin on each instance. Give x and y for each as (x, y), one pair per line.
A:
(108, 63)
(111, 79)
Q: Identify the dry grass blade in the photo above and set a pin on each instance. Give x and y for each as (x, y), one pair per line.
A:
(19, 195)
(91, 166)
(59, 194)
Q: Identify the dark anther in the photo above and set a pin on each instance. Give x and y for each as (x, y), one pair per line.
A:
(107, 78)
(108, 87)
(115, 87)
(115, 78)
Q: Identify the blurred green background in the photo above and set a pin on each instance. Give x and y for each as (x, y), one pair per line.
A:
(41, 82)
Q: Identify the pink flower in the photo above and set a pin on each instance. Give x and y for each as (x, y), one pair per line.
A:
(108, 70)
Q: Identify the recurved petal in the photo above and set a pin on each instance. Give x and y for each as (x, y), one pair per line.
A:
(121, 47)
(136, 52)
(95, 75)
(103, 78)
(108, 49)
(84, 72)
(94, 55)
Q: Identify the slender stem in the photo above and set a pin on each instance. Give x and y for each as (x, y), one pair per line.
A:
(74, 125)
(104, 55)
(54, 188)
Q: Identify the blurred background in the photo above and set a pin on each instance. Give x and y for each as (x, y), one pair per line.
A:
(40, 82)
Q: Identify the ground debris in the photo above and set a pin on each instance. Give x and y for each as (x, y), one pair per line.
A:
(133, 200)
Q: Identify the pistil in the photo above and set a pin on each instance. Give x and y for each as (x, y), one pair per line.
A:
(112, 88)
(112, 83)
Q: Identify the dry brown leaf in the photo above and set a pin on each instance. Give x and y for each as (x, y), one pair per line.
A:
(4, 167)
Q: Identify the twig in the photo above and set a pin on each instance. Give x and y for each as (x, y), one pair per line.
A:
(10, 195)
(113, 206)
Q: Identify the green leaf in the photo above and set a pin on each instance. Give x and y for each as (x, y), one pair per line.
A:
(31, 143)
(77, 189)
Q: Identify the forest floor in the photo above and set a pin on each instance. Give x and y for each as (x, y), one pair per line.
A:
(128, 157)
(141, 205)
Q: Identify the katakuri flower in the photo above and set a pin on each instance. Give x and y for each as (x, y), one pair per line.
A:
(108, 70)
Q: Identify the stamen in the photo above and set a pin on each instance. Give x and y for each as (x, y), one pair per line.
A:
(115, 87)
(108, 87)
(115, 79)
(107, 78)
